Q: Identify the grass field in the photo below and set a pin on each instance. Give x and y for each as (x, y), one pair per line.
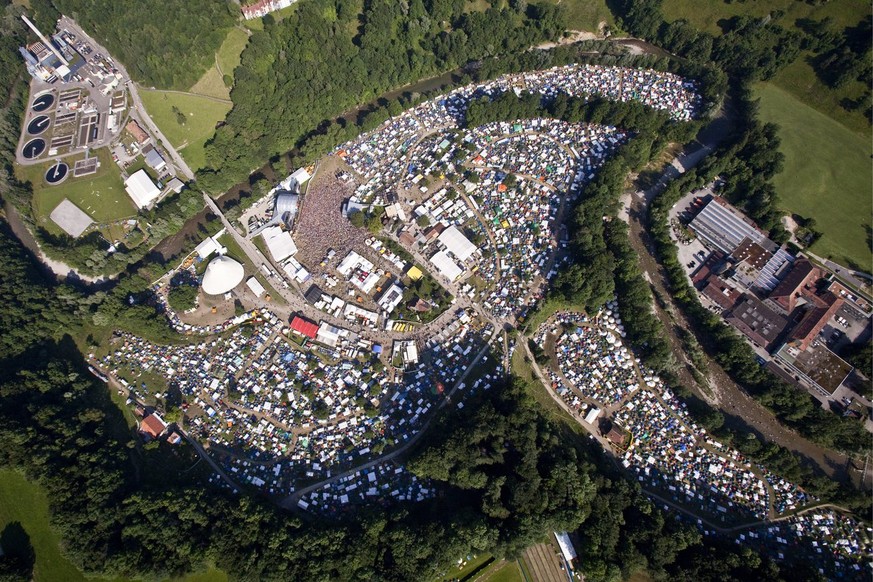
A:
(230, 50)
(227, 59)
(467, 568)
(201, 113)
(25, 502)
(100, 195)
(585, 14)
(211, 84)
(706, 15)
(826, 176)
(798, 78)
(509, 572)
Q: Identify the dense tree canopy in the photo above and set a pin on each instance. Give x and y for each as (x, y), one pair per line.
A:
(167, 44)
(326, 58)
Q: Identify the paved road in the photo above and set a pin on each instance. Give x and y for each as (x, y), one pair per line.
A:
(140, 112)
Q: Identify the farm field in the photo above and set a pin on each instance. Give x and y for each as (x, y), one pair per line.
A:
(201, 116)
(508, 572)
(826, 175)
(25, 502)
(101, 195)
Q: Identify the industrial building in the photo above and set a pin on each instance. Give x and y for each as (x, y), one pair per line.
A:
(817, 365)
(724, 227)
(756, 321)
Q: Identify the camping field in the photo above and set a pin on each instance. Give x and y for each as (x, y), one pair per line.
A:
(201, 116)
(101, 195)
(826, 176)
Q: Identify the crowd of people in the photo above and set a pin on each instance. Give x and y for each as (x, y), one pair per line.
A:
(320, 225)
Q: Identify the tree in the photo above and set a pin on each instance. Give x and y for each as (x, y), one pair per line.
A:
(182, 297)
(357, 218)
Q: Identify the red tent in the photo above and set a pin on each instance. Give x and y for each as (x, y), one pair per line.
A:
(304, 327)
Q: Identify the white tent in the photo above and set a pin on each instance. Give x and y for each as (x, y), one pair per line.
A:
(141, 189)
(255, 286)
(279, 242)
(457, 243)
(446, 266)
(222, 275)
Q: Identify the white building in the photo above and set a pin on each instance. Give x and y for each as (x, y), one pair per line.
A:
(391, 298)
(209, 245)
(279, 243)
(446, 266)
(457, 244)
(141, 189)
(407, 351)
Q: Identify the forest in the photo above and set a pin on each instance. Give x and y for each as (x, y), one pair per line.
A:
(327, 58)
(167, 44)
(506, 473)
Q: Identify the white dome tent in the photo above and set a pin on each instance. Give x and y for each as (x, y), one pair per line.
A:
(222, 275)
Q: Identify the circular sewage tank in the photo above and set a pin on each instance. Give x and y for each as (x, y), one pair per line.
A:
(57, 173)
(33, 148)
(42, 102)
(38, 124)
